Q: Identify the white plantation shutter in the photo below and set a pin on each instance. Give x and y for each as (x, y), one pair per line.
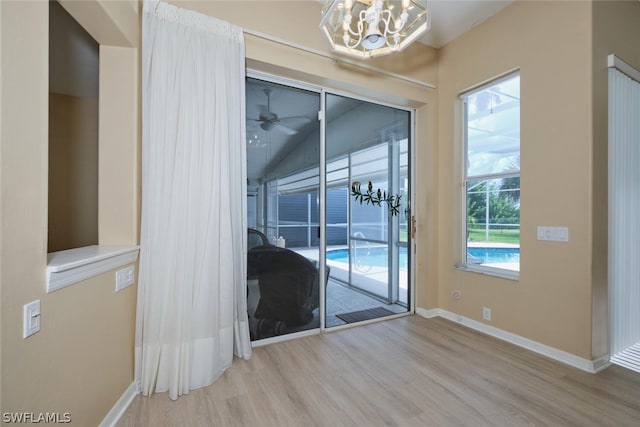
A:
(624, 214)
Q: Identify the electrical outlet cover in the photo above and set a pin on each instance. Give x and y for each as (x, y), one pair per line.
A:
(31, 318)
(124, 278)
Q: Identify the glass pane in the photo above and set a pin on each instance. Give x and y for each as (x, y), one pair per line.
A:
(366, 244)
(337, 214)
(493, 129)
(283, 186)
(294, 219)
(404, 219)
(493, 223)
(370, 166)
(370, 267)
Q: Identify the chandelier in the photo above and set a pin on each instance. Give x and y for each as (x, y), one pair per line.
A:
(370, 28)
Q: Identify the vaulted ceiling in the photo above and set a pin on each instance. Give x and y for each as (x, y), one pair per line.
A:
(452, 18)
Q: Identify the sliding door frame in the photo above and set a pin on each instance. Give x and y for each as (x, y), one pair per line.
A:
(411, 248)
(323, 92)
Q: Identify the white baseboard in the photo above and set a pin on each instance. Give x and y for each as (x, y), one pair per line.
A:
(428, 314)
(592, 366)
(601, 363)
(121, 406)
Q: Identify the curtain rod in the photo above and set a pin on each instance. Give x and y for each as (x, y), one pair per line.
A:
(614, 61)
(338, 60)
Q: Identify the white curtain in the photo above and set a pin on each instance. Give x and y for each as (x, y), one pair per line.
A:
(624, 223)
(191, 313)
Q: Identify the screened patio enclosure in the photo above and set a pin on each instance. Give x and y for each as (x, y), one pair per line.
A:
(300, 172)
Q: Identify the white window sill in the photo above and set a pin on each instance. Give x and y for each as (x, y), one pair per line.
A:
(490, 271)
(64, 268)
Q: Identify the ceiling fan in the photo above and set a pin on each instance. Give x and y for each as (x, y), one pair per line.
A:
(269, 120)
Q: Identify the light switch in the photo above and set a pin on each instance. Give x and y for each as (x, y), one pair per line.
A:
(31, 318)
(556, 234)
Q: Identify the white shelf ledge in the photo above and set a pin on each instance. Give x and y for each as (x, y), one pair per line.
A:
(65, 268)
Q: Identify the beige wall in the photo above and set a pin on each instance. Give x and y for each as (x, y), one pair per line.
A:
(1, 205)
(73, 172)
(275, 19)
(82, 359)
(615, 31)
(119, 159)
(549, 42)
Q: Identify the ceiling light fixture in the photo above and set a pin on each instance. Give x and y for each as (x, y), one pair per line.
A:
(370, 28)
(254, 141)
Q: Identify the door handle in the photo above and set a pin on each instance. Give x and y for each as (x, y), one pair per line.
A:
(413, 226)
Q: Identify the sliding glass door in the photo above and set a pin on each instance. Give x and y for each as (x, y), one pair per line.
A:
(283, 158)
(367, 176)
(365, 245)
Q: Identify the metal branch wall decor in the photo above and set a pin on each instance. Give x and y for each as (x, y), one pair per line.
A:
(377, 198)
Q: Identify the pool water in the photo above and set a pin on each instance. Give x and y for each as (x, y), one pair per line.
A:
(372, 257)
(378, 257)
(494, 255)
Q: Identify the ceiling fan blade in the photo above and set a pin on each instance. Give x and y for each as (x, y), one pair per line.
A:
(299, 119)
(284, 129)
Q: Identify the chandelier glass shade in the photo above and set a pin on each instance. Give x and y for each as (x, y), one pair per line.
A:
(370, 28)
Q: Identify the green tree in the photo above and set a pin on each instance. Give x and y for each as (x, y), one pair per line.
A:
(504, 202)
(476, 203)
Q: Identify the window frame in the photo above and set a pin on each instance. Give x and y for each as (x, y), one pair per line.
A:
(465, 179)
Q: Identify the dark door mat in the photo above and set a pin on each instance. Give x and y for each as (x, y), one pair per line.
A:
(359, 316)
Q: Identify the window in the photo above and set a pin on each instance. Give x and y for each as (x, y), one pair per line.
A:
(492, 177)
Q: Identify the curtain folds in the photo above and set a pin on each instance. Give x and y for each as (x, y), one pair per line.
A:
(191, 312)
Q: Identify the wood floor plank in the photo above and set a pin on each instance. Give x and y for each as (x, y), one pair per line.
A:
(404, 372)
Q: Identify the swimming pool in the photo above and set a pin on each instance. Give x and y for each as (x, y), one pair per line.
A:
(378, 257)
(371, 257)
(494, 255)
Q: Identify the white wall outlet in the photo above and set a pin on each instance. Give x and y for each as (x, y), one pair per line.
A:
(124, 278)
(31, 318)
(486, 313)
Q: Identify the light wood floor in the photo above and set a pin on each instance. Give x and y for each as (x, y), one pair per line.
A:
(404, 372)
